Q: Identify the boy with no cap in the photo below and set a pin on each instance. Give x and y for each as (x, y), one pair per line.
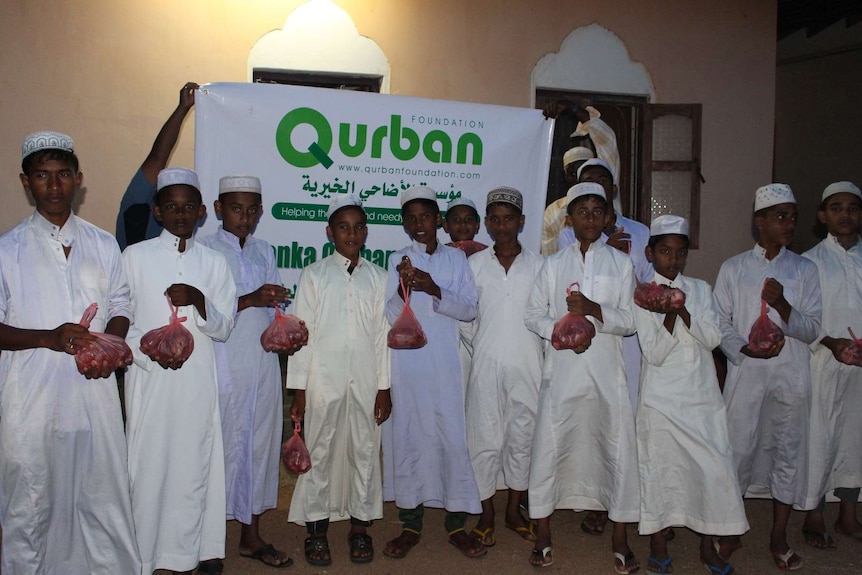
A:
(249, 378)
(584, 452)
(64, 484)
(506, 369)
(686, 464)
(767, 393)
(341, 380)
(424, 443)
(176, 457)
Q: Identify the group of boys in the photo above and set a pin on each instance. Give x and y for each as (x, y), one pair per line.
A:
(202, 436)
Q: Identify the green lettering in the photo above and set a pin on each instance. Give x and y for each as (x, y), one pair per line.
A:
(445, 153)
(469, 139)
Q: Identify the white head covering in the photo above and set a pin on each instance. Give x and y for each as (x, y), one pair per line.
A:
(841, 187)
(506, 195)
(229, 184)
(595, 162)
(462, 202)
(418, 193)
(577, 154)
(772, 195)
(38, 141)
(668, 224)
(177, 176)
(584, 189)
(342, 202)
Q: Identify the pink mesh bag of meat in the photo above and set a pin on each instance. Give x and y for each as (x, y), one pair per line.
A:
(406, 333)
(294, 454)
(764, 333)
(572, 331)
(171, 342)
(469, 247)
(286, 334)
(656, 297)
(852, 354)
(107, 351)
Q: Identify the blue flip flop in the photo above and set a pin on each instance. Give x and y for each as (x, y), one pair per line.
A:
(661, 565)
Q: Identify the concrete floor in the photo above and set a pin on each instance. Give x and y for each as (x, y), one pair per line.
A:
(575, 552)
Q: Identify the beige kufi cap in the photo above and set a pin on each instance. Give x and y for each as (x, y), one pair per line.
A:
(841, 187)
(418, 193)
(577, 154)
(176, 177)
(585, 189)
(229, 184)
(506, 195)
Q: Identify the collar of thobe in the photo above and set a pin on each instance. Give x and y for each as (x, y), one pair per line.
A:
(344, 263)
(760, 251)
(833, 241)
(64, 235)
(231, 239)
(661, 280)
(420, 247)
(494, 251)
(593, 246)
(172, 242)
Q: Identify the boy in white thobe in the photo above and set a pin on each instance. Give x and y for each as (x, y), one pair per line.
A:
(341, 380)
(684, 457)
(503, 388)
(249, 377)
(176, 458)
(584, 452)
(64, 485)
(425, 454)
(767, 392)
(836, 399)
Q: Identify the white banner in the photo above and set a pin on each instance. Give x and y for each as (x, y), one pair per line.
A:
(308, 144)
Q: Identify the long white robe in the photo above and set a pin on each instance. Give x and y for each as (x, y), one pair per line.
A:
(768, 399)
(503, 390)
(584, 450)
(344, 365)
(176, 457)
(249, 380)
(64, 486)
(835, 458)
(684, 457)
(425, 458)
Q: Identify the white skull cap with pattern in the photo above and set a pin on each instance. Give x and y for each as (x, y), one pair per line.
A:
(841, 187)
(229, 184)
(506, 195)
(38, 141)
(595, 162)
(462, 201)
(772, 195)
(176, 177)
(584, 189)
(577, 154)
(418, 193)
(669, 224)
(342, 202)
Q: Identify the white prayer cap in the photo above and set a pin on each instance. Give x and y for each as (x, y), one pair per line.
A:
(585, 189)
(462, 201)
(229, 184)
(38, 141)
(506, 195)
(669, 224)
(841, 187)
(595, 162)
(418, 193)
(772, 195)
(177, 176)
(342, 202)
(577, 154)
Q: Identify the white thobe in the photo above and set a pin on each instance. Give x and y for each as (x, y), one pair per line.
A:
(249, 380)
(768, 399)
(503, 389)
(584, 452)
(835, 458)
(643, 273)
(64, 486)
(344, 365)
(686, 465)
(176, 458)
(425, 458)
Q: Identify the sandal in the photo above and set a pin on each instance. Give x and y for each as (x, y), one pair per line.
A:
(787, 561)
(728, 569)
(210, 567)
(593, 523)
(817, 539)
(542, 557)
(361, 548)
(317, 551)
(628, 563)
(268, 551)
(399, 547)
(468, 546)
(485, 536)
(661, 567)
(527, 533)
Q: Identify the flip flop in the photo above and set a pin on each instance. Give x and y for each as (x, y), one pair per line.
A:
(625, 560)
(485, 536)
(210, 568)
(466, 544)
(662, 566)
(782, 560)
(592, 527)
(728, 569)
(528, 533)
(823, 540)
(361, 548)
(397, 549)
(544, 556)
(268, 551)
